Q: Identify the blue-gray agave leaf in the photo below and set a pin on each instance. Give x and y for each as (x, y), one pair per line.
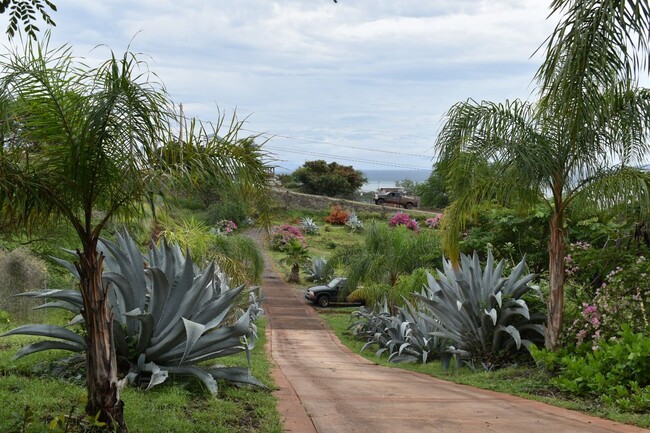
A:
(481, 311)
(168, 314)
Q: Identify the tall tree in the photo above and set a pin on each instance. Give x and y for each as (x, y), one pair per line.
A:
(319, 177)
(433, 191)
(581, 142)
(538, 159)
(78, 144)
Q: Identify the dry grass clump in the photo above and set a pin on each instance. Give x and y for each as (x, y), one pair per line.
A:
(20, 271)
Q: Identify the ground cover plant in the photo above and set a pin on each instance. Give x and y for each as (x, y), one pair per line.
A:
(616, 372)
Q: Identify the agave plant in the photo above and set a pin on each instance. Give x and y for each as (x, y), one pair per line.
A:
(168, 316)
(318, 270)
(308, 226)
(484, 314)
(354, 223)
(408, 336)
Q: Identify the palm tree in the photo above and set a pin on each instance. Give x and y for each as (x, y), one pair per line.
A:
(580, 142)
(78, 144)
(537, 159)
(296, 255)
(594, 41)
(386, 254)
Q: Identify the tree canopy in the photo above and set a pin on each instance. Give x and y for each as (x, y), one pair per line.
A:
(320, 178)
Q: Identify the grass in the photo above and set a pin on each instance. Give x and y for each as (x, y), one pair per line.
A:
(324, 243)
(170, 407)
(527, 382)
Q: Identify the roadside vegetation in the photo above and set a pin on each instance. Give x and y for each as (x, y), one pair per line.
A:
(45, 390)
(482, 323)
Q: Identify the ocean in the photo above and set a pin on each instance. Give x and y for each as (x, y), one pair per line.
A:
(378, 178)
(387, 178)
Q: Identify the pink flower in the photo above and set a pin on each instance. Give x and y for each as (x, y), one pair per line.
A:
(400, 219)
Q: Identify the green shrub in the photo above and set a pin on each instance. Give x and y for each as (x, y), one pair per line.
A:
(395, 296)
(232, 210)
(510, 234)
(617, 370)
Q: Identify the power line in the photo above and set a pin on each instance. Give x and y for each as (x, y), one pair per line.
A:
(269, 135)
(373, 162)
(337, 157)
(338, 127)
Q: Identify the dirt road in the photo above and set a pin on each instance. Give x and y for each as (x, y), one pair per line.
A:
(325, 388)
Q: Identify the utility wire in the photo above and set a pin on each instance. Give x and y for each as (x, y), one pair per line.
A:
(392, 152)
(337, 157)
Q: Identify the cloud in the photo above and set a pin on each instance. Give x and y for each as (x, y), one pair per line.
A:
(378, 74)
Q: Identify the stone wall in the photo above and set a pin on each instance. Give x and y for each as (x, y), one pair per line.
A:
(286, 199)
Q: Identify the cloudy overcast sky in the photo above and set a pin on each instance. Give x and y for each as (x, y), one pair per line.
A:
(361, 82)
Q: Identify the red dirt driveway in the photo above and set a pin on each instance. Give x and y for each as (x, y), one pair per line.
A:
(325, 388)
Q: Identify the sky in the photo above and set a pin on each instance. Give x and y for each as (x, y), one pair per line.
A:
(360, 82)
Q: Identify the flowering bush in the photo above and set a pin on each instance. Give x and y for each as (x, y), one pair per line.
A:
(281, 236)
(338, 216)
(621, 298)
(402, 219)
(433, 221)
(226, 226)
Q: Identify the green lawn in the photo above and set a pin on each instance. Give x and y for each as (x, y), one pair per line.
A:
(527, 382)
(170, 407)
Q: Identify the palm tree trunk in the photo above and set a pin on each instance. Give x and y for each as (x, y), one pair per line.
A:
(295, 273)
(101, 365)
(556, 250)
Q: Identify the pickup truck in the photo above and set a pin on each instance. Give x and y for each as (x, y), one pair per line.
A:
(323, 295)
(396, 197)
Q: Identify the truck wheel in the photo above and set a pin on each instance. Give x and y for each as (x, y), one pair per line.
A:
(409, 205)
(323, 301)
(379, 201)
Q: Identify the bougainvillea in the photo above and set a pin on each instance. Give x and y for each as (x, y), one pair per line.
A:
(433, 222)
(226, 227)
(282, 235)
(402, 219)
(338, 216)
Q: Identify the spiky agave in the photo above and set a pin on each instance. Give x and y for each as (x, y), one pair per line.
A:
(168, 316)
(407, 336)
(308, 226)
(318, 270)
(483, 313)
